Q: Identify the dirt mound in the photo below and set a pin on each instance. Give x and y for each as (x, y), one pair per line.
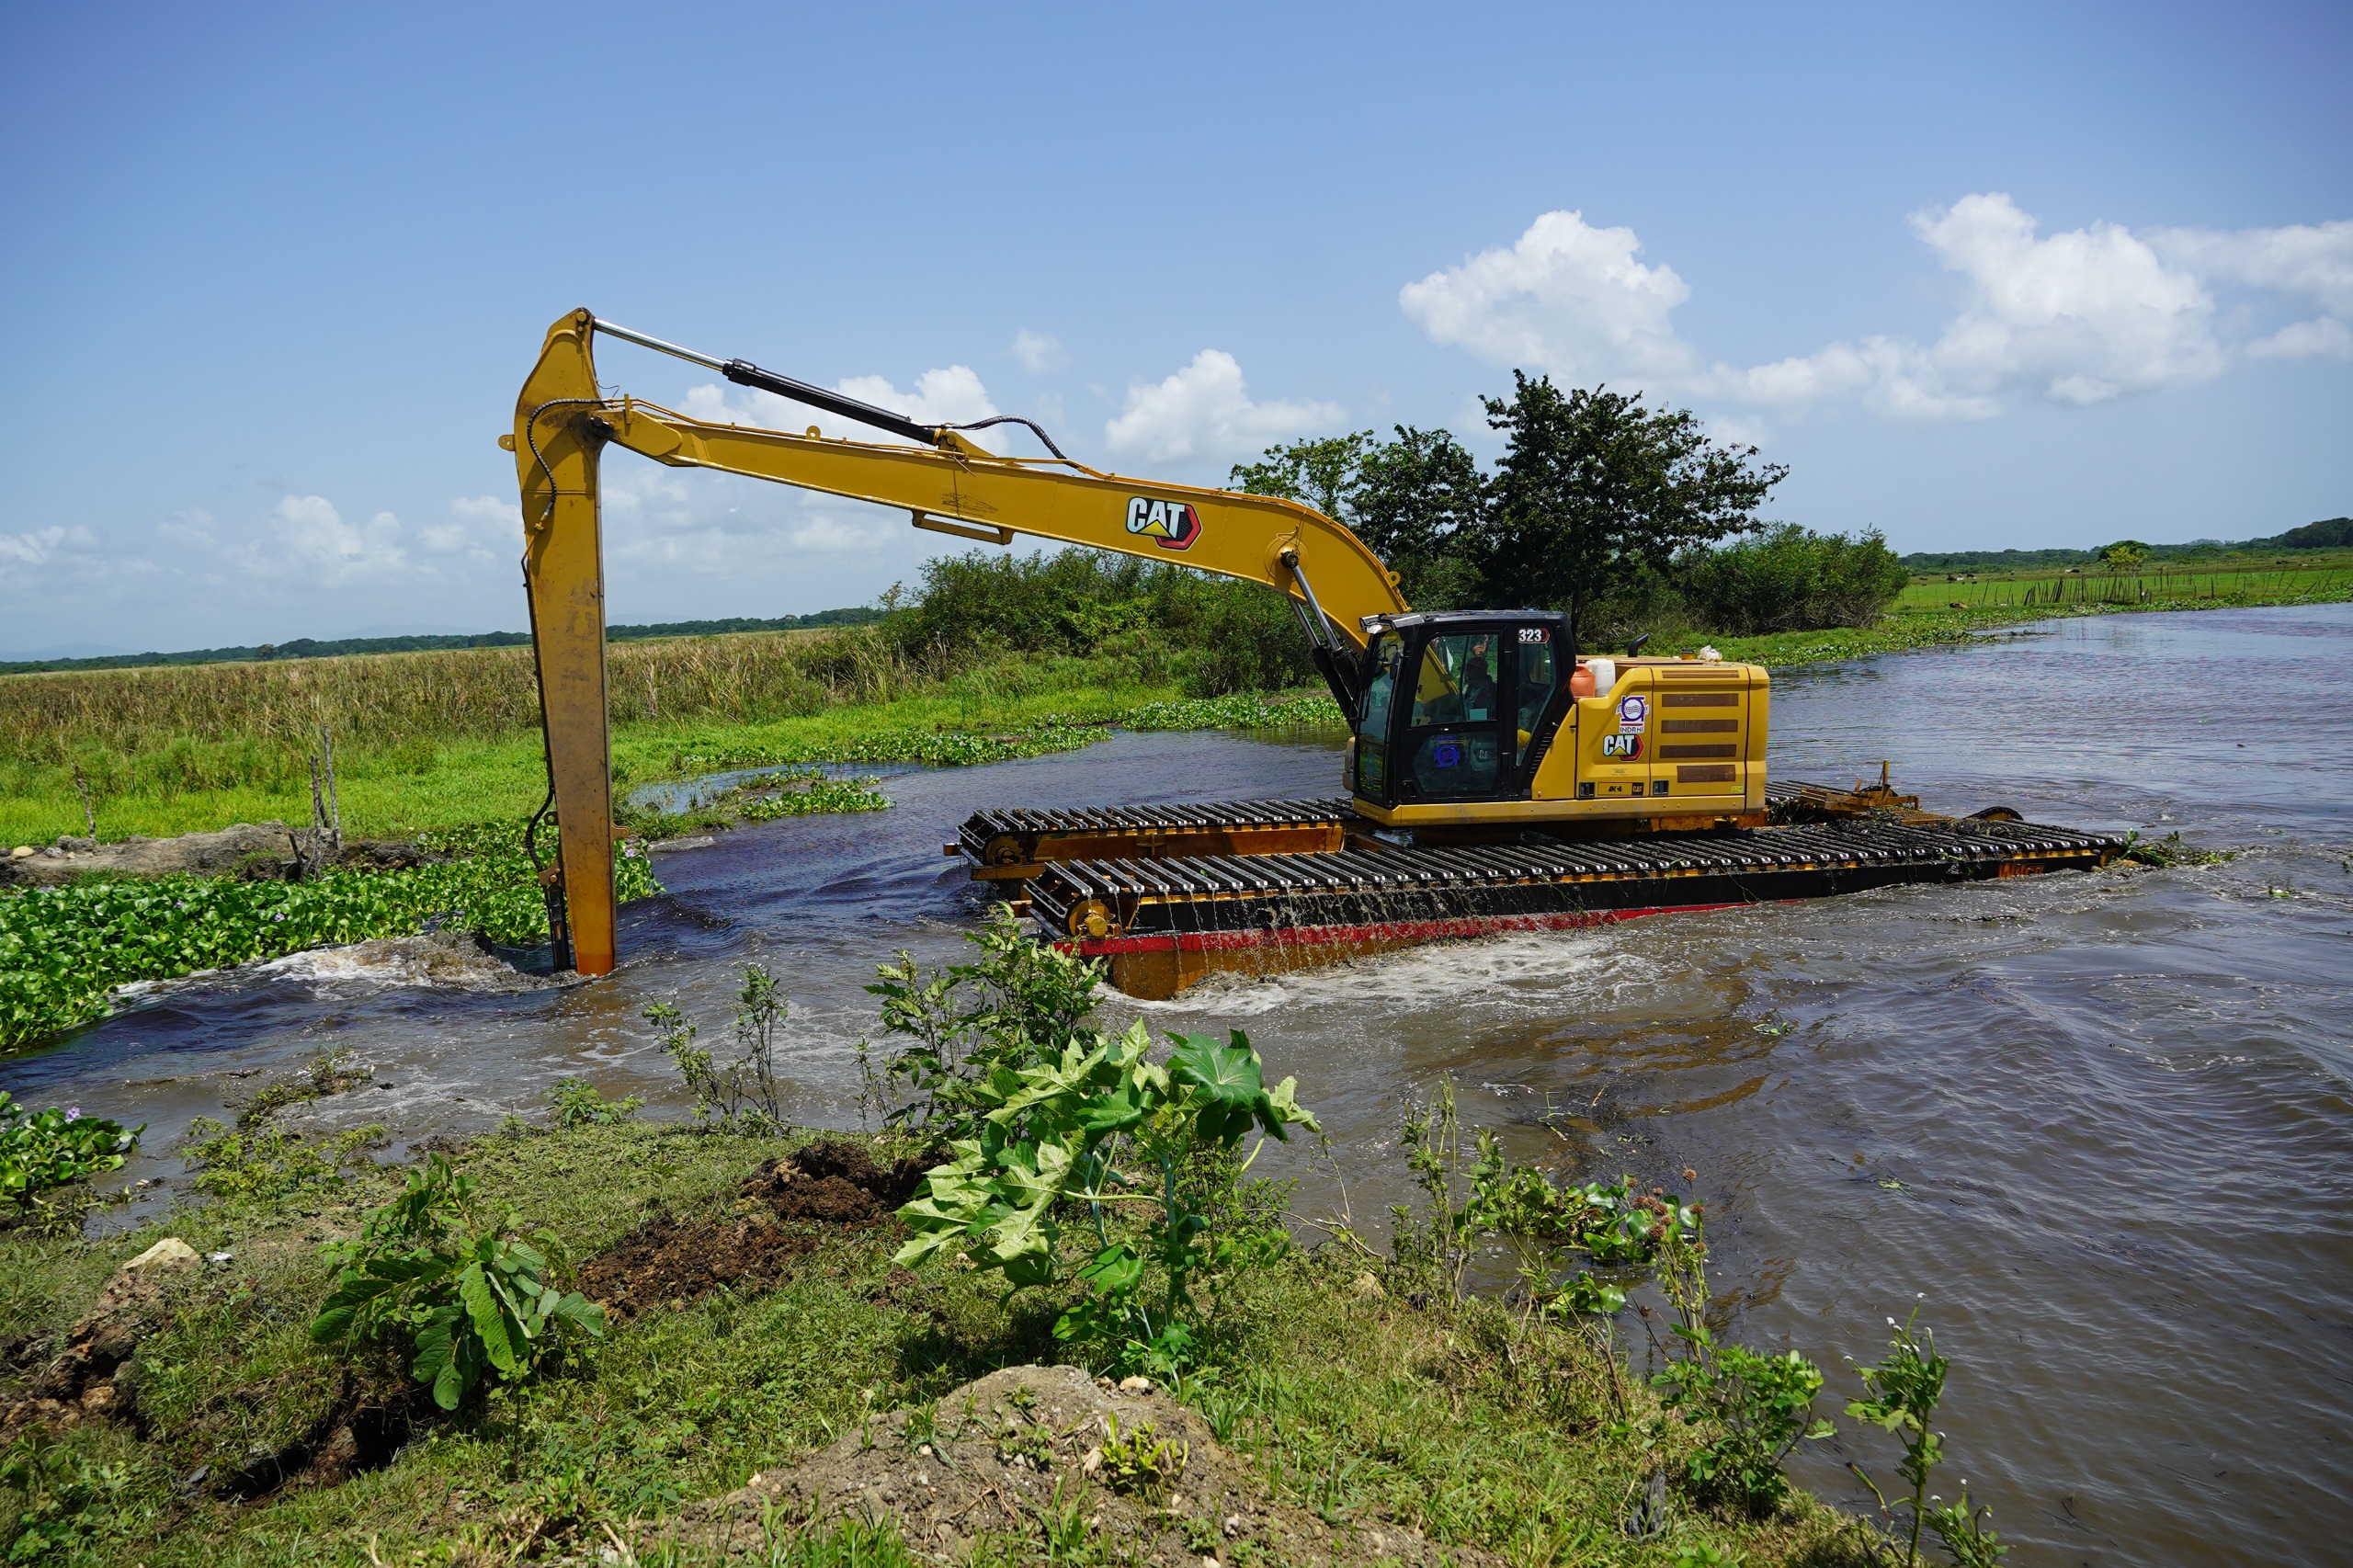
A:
(672, 1260)
(834, 1182)
(84, 1380)
(1042, 1454)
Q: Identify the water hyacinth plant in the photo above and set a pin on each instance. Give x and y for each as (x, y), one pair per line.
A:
(65, 949)
(40, 1150)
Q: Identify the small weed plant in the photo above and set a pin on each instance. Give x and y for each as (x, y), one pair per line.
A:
(473, 1300)
(1141, 1461)
(1758, 1407)
(1901, 1398)
(327, 1073)
(264, 1163)
(1018, 1005)
(745, 1096)
(577, 1102)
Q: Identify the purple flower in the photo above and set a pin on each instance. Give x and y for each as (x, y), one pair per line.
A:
(72, 1113)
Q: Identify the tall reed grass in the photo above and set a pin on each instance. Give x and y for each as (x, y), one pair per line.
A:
(210, 726)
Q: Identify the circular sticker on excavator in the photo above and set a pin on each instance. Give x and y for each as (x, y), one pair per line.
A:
(1633, 710)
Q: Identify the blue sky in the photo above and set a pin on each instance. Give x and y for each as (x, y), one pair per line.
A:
(1983, 275)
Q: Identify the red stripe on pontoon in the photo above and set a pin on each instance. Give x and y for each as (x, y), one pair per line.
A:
(1384, 931)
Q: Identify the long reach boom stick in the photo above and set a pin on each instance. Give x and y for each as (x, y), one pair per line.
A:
(946, 483)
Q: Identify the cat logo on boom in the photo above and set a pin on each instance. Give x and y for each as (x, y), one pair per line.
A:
(1173, 523)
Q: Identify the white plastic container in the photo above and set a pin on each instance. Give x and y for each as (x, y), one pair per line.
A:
(1605, 675)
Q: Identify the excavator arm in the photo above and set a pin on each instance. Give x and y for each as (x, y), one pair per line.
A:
(947, 485)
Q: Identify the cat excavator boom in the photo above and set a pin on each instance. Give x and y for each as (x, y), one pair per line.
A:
(948, 483)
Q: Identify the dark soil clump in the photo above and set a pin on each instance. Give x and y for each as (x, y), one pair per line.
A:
(836, 1184)
(668, 1260)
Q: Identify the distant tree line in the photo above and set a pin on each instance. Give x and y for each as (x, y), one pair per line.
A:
(327, 648)
(1629, 517)
(2329, 533)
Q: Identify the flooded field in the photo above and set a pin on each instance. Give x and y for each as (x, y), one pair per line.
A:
(2101, 1123)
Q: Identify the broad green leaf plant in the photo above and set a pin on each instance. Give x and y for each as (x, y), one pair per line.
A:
(1100, 1125)
(42, 1149)
(473, 1300)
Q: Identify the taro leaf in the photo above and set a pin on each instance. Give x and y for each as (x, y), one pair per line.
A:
(1226, 1081)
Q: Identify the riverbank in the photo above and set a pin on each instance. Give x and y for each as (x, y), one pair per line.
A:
(1339, 1405)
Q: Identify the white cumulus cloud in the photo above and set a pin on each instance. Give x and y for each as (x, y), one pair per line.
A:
(2311, 263)
(480, 528)
(307, 540)
(2079, 317)
(39, 547)
(1039, 351)
(1566, 297)
(1203, 413)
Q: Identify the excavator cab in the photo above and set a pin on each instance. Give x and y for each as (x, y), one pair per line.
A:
(1459, 706)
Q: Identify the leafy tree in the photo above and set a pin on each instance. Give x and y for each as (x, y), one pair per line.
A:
(1595, 487)
(2124, 552)
(1419, 502)
(1416, 501)
(1324, 473)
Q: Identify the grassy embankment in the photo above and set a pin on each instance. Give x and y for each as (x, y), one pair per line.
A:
(1354, 1388)
(444, 740)
(441, 739)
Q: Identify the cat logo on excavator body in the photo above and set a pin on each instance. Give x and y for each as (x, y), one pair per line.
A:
(1173, 523)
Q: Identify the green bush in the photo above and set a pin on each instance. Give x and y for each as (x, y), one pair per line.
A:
(40, 1150)
(1101, 1127)
(473, 1300)
(1792, 579)
(1234, 636)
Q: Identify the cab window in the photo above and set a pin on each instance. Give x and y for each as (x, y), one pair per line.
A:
(1537, 671)
(1456, 708)
(1380, 696)
(1457, 681)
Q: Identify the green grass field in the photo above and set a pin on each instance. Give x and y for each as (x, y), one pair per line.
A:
(2227, 580)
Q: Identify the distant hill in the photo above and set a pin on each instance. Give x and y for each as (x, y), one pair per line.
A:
(315, 648)
(2331, 533)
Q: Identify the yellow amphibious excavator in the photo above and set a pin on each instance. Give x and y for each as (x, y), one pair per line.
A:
(1497, 781)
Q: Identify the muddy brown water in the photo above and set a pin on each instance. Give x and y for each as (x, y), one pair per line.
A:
(2097, 1125)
